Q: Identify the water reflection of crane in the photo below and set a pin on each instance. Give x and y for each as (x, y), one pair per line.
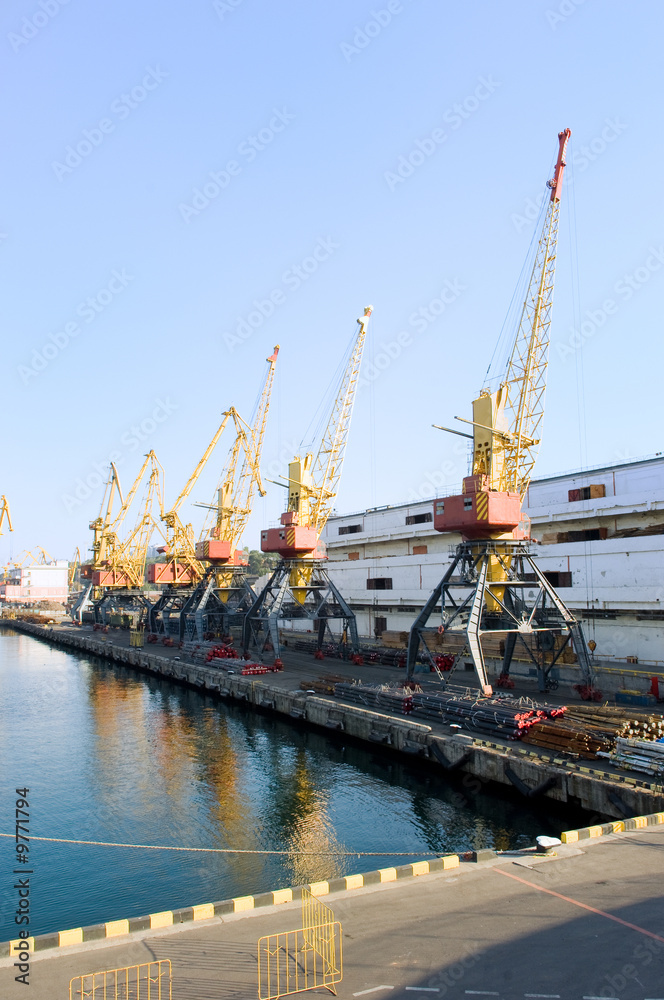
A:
(302, 813)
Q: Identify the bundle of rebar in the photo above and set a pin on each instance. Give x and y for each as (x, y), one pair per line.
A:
(382, 697)
(639, 755)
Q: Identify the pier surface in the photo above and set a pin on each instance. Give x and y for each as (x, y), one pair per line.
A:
(585, 924)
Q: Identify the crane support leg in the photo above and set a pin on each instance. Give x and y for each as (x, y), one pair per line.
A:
(322, 605)
(473, 628)
(416, 638)
(494, 588)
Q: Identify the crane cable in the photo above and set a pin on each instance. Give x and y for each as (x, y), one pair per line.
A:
(511, 319)
(580, 374)
(232, 850)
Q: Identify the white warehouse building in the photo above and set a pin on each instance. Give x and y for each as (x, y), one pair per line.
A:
(598, 534)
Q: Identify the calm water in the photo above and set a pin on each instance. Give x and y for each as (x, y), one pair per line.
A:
(114, 756)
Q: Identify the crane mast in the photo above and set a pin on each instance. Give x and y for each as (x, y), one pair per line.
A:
(300, 586)
(484, 590)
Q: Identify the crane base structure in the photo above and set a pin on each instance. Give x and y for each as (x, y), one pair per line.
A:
(121, 602)
(199, 614)
(322, 604)
(494, 589)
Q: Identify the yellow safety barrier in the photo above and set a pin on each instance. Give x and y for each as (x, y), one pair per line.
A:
(305, 959)
(150, 981)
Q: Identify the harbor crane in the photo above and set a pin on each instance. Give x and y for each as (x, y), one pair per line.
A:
(5, 516)
(300, 587)
(73, 569)
(493, 586)
(117, 572)
(213, 565)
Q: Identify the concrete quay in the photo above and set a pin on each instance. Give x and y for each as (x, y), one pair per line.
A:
(602, 790)
(584, 924)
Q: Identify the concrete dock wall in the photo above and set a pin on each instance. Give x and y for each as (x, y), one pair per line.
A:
(604, 796)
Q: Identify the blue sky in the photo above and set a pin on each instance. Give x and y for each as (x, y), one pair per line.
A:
(123, 289)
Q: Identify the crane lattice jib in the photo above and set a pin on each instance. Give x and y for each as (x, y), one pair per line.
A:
(326, 470)
(527, 368)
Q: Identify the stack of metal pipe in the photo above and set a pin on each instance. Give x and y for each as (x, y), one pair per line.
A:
(380, 696)
(492, 716)
(639, 755)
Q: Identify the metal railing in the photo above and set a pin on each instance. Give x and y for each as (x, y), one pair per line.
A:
(304, 959)
(149, 981)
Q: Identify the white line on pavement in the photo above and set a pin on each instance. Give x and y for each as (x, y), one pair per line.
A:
(543, 996)
(374, 989)
(423, 989)
(481, 993)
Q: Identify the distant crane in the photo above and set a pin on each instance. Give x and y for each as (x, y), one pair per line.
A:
(74, 564)
(213, 565)
(118, 567)
(5, 516)
(493, 585)
(300, 586)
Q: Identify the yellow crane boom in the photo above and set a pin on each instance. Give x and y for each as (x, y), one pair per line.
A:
(182, 567)
(239, 481)
(123, 564)
(5, 516)
(326, 471)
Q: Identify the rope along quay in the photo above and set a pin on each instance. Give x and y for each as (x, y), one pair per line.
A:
(234, 850)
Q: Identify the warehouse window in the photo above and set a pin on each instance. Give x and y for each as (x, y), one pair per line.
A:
(440, 508)
(593, 492)
(350, 529)
(418, 518)
(420, 550)
(353, 555)
(588, 535)
(556, 578)
(380, 583)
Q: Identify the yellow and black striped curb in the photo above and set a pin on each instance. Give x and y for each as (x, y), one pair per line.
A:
(617, 826)
(206, 911)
